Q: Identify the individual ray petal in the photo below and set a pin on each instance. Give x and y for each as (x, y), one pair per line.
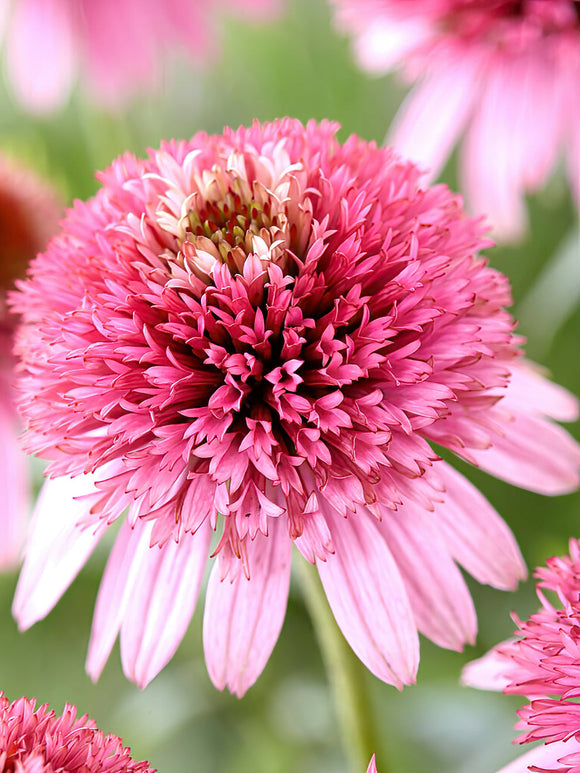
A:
(161, 602)
(243, 617)
(529, 390)
(475, 534)
(533, 453)
(547, 757)
(439, 597)
(56, 549)
(434, 114)
(367, 596)
(494, 671)
(14, 488)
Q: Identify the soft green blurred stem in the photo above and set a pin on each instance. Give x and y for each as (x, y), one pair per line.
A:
(345, 674)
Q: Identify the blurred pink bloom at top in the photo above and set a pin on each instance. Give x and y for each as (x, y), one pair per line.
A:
(29, 213)
(543, 664)
(117, 46)
(259, 335)
(505, 72)
(35, 740)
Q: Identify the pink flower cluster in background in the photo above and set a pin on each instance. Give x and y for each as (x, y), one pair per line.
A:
(116, 46)
(543, 664)
(259, 335)
(35, 740)
(504, 73)
(29, 213)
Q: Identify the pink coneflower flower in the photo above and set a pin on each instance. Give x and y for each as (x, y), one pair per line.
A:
(543, 664)
(35, 740)
(117, 46)
(258, 335)
(29, 212)
(504, 72)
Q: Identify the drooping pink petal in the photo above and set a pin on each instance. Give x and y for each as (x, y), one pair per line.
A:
(243, 617)
(476, 536)
(56, 549)
(439, 597)
(494, 671)
(534, 454)
(368, 598)
(161, 602)
(529, 390)
(435, 113)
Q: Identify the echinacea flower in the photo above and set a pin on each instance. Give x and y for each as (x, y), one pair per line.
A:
(116, 46)
(543, 664)
(29, 213)
(502, 72)
(258, 335)
(35, 740)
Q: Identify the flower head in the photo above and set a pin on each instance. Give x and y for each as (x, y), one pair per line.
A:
(259, 334)
(543, 664)
(29, 212)
(35, 740)
(117, 46)
(504, 72)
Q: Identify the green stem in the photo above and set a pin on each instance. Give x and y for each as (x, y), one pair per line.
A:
(345, 674)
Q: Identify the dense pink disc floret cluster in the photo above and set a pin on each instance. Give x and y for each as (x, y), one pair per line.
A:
(35, 740)
(259, 334)
(543, 664)
(505, 72)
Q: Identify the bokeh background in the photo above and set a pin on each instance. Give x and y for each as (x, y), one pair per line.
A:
(298, 65)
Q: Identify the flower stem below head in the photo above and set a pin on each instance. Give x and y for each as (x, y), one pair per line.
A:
(345, 674)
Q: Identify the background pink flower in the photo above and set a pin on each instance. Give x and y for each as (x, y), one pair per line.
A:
(29, 212)
(543, 664)
(35, 740)
(117, 46)
(258, 335)
(504, 73)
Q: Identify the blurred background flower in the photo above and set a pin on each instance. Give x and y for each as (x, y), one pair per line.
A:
(504, 74)
(114, 46)
(29, 211)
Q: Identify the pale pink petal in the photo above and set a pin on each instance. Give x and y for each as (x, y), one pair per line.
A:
(493, 671)
(546, 755)
(534, 454)
(574, 155)
(367, 595)
(161, 603)
(386, 41)
(530, 390)
(56, 549)
(491, 186)
(243, 617)
(40, 52)
(475, 534)
(435, 112)
(14, 488)
(439, 597)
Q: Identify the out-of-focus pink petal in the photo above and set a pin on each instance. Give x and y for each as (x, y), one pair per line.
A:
(40, 51)
(530, 390)
(386, 41)
(367, 595)
(475, 534)
(435, 113)
(534, 454)
(372, 768)
(439, 597)
(546, 756)
(161, 602)
(243, 617)
(493, 671)
(56, 548)
(14, 488)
